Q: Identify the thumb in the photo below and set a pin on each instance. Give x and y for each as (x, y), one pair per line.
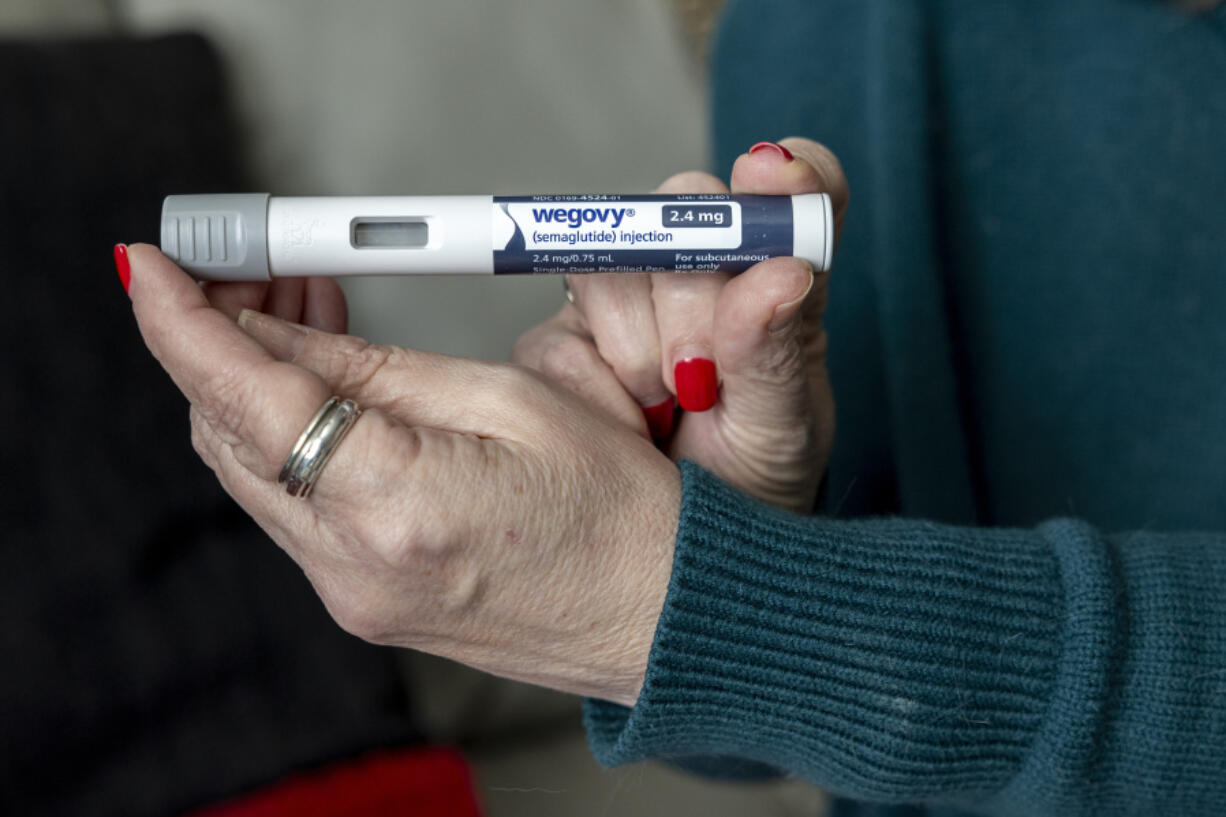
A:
(777, 411)
(760, 342)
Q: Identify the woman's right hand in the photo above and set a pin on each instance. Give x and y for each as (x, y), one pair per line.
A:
(745, 355)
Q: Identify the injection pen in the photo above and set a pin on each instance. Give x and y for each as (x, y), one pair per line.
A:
(257, 237)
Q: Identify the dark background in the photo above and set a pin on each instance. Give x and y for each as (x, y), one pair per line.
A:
(149, 628)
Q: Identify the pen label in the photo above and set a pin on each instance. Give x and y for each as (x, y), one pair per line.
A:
(696, 233)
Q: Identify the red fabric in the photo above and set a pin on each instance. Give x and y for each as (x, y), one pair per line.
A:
(403, 783)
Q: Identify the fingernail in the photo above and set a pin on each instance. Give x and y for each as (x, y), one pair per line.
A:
(784, 313)
(281, 338)
(697, 386)
(122, 265)
(660, 418)
(775, 147)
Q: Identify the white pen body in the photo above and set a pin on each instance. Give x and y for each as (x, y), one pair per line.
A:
(235, 237)
(335, 235)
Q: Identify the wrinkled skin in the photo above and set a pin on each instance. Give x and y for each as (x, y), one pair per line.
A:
(616, 345)
(518, 521)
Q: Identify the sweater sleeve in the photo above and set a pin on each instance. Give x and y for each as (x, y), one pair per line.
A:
(1051, 670)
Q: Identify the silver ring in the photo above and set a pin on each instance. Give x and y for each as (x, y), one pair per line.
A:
(316, 445)
(570, 295)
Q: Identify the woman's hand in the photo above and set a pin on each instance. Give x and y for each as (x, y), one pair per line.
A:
(628, 343)
(475, 511)
(315, 302)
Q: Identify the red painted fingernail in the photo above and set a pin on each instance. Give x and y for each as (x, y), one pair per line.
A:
(772, 146)
(660, 418)
(122, 266)
(697, 386)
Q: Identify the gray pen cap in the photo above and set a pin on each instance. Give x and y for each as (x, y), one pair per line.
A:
(218, 237)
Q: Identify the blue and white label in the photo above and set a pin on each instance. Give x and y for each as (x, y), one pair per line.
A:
(695, 233)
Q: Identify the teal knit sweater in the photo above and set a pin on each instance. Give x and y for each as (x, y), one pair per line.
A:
(1001, 609)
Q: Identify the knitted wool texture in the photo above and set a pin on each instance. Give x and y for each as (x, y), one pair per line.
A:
(1027, 350)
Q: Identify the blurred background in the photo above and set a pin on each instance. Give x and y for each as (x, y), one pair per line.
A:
(164, 657)
(468, 96)
(432, 97)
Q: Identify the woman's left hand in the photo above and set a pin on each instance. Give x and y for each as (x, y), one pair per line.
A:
(744, 355)
(475, 511)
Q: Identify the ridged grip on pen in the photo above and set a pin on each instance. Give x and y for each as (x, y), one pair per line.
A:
(218, 237)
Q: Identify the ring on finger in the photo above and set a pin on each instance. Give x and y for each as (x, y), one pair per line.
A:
(316, 445)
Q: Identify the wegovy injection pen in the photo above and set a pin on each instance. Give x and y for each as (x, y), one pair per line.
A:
(257, 237)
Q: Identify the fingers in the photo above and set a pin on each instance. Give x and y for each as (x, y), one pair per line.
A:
(775, 425)
(316, 302)
(324, 306)
(285, 297)
(684, 306)
(249, 409)
(760, 343)
(416, 388)
(256, 404)
(791, 167)
(643, 324)
(232, 297)
(617, 309)
(777, 415)
(802, 166)
(764, 334)
(563, 350)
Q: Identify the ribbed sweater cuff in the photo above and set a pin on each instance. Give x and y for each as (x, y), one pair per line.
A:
(886, 660)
